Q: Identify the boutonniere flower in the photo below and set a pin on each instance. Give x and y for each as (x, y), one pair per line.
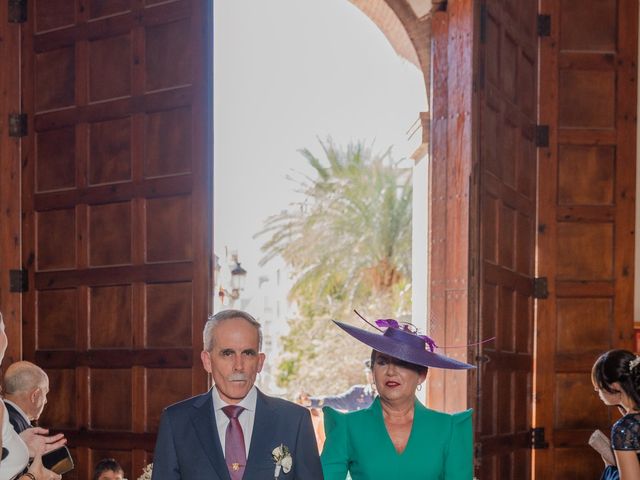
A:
(146, 472)
(282, 456)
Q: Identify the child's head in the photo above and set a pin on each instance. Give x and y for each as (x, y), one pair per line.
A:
(616, 374)
(108, 469)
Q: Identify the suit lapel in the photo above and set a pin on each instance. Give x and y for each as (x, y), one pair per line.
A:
(17, 417)
(264, 422)
(204, 423)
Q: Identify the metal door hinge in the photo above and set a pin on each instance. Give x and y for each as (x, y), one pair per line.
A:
(17, 124)
(537, 438)
(17, 11)
(542, 136)
(540, 287)
(544, 25)
(18, 281)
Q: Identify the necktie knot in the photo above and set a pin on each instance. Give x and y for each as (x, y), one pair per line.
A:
(232, 411)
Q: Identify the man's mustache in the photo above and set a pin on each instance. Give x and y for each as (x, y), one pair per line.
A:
(237, 377)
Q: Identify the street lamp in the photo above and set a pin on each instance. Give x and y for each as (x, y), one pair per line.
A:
(236, 282)
(238, 277)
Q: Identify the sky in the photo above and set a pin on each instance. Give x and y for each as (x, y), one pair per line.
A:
(287, 73)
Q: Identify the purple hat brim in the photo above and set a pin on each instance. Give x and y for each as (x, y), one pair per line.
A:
(403, 345)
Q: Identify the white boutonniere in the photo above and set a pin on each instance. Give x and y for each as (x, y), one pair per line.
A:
(146, 472)
(282, 456)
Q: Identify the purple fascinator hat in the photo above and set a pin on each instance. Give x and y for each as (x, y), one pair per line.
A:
(403, 342)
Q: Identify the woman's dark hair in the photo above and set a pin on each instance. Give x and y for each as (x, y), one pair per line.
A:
(616, 366)
(411, 366)
(107, 465)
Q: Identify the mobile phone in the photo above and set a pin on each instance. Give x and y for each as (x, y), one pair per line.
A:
(58, 460)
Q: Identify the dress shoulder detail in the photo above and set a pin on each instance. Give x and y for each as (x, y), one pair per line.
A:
(461, 417)
(625, 433)
(333, 419)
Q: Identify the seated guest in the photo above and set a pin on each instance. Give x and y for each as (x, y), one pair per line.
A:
(108, 469)
(407, 440)
(15, 454)
(25, 393)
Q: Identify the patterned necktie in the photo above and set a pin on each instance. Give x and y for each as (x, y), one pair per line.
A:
(234, 452)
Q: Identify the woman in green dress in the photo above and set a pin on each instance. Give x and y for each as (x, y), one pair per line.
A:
(397, 437)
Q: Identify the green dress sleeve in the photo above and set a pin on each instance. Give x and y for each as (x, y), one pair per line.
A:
(335, 454)
(459, 457)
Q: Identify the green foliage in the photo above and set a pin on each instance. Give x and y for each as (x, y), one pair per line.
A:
(347, 243)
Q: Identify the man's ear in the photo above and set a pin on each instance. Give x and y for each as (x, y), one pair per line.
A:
(206, 361)
(261, 358)
(34, 395)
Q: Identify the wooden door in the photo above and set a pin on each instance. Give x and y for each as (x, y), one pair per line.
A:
(588, 83)
(505, 185)
(117, 215)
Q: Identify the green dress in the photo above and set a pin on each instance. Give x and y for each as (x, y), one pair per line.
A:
(439, 446)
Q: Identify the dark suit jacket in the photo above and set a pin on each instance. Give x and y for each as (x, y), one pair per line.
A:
(20, 424)
(188, 447)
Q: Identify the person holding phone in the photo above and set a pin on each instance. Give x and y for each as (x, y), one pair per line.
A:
(15, 453)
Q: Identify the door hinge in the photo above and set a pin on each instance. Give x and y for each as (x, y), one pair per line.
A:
(483, 23)
(18, 281)
(17, 124)
(17, 11)
(537, 438)
(544, 25)
(540, 287)
(542, 136)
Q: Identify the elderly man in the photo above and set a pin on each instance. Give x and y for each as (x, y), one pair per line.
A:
(25, 393)
(234, 431)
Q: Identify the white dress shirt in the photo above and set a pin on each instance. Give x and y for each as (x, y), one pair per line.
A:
(246, 417)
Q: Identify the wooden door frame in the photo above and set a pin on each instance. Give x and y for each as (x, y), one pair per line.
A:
(451, 272)
(10, 201)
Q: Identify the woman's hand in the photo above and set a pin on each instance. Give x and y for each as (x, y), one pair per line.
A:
(39, 443)
(41, 473)
(606, 462)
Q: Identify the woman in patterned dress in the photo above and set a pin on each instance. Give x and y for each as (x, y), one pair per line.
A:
(616, 378)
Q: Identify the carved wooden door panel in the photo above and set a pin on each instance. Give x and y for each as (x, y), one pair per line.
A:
(588, 84)
(506, 190)
(117, 174)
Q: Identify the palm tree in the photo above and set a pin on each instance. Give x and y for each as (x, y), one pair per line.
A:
(348, 244)
(349, 241)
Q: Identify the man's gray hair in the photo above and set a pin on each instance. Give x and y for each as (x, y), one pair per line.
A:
(23, 376)
(214, 320)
